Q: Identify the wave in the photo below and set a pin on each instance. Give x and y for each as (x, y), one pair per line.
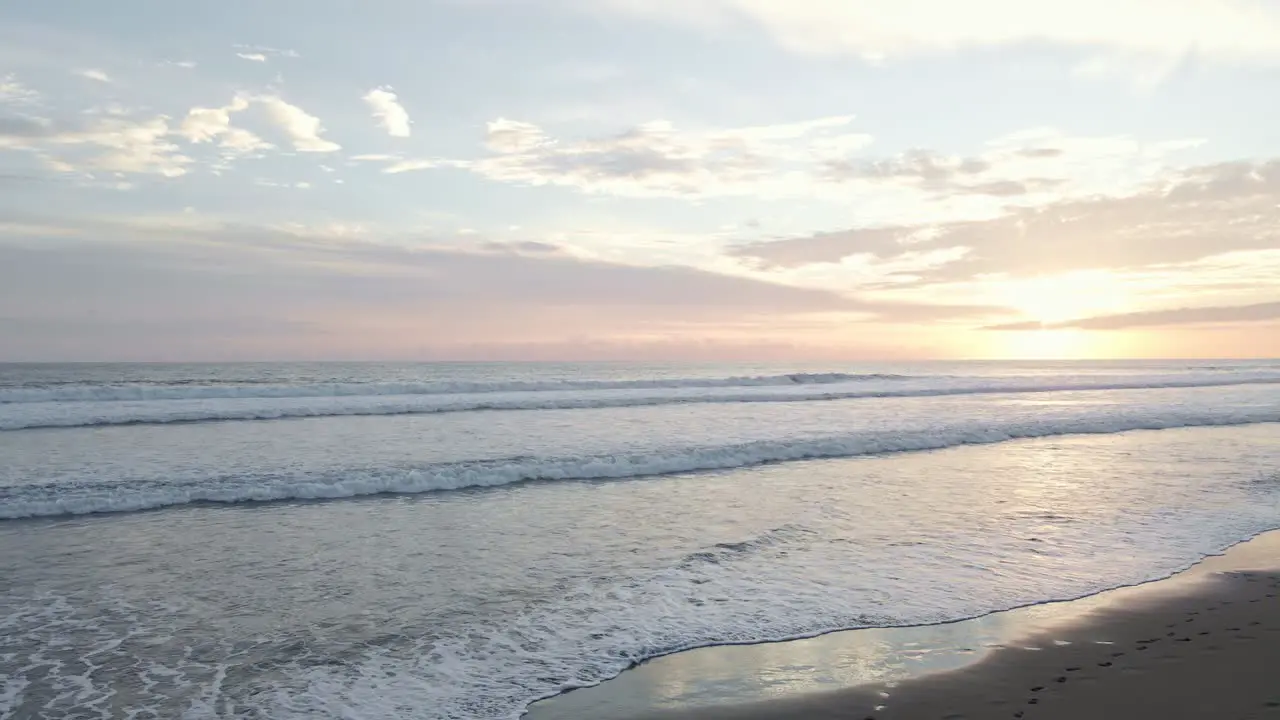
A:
(94, 414)
(141, 392)
(79, 497)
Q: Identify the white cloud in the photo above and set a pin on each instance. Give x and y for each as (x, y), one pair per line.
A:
(112, 139)
(210, 124)
(302, 128)
(1211, 232)
(13, 92)
(263, 182)
(388, 111)
(821, 159)
(206, 124)
(411, 165)
(1243, 30)
(261, 53)
(513, 136)
(94, 74)
(657, 159)
(130, 147)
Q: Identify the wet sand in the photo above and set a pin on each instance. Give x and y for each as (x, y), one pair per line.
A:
(1204, 644)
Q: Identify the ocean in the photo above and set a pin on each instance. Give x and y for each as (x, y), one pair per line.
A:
(456, 541)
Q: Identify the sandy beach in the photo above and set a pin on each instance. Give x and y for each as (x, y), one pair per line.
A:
(1202, 644)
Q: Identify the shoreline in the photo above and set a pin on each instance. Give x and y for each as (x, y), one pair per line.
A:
(831, 673)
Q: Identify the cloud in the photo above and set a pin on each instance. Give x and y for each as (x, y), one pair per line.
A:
(261, 53)
(656, 158)
(1231, 30)
(302, 128)
(1256, 312)
(209, 124)
(819, 159)
(926, 166)
(1197, 213)
(95, 74)
(513, 136)
(403, 166)
(387, 110)
(116, 144)
(525, 246)
(13, 92)
(1040, 152)
(20, 130)
(933, 172)
(379, 293)
(126, 144)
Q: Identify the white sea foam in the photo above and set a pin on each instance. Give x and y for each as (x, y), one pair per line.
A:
(120, 495)
(494, 666)
(22, 415)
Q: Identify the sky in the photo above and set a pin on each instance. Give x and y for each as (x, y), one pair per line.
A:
(639, 179)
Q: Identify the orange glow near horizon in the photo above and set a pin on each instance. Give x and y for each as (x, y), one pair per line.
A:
(1067, 344)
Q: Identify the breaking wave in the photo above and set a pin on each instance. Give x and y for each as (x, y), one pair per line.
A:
(82, 497)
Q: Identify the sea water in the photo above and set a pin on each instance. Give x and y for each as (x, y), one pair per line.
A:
(459, 540)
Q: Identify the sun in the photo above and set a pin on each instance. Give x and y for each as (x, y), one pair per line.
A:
(1054, 298)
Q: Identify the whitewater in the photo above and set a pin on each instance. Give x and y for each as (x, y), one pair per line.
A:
(457, 541)
(76, 406)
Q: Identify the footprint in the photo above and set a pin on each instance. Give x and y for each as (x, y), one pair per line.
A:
(1073, 669)
(1033, 701)
(1037, 688)
(1104, 664)
(1060, 678)
(1206, 632)
(1117, 654)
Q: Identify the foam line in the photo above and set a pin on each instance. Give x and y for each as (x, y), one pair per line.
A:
(124, 495)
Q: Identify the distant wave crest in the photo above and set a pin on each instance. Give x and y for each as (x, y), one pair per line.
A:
(122, 496)
(145, 392)
(32, 415)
